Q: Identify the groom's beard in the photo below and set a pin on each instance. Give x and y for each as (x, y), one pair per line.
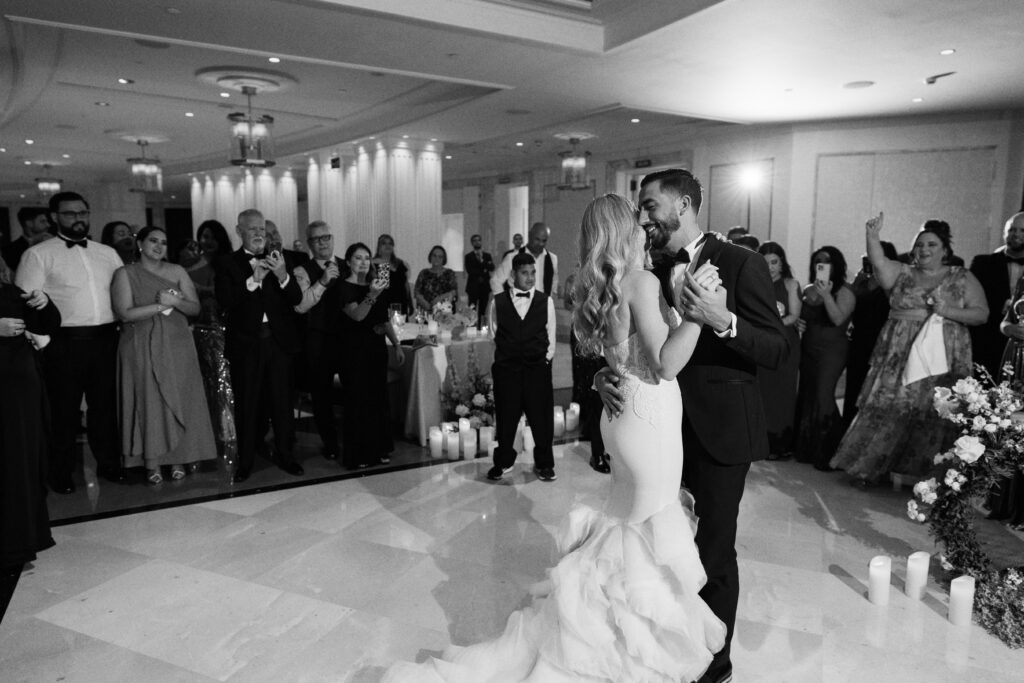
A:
(662, 232)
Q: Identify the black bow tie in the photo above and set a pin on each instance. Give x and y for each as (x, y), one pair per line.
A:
(526, 294)
(1019, 260)
(84, 244)
(682, 256)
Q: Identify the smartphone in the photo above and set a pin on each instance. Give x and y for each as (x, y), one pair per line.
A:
(823, 273)
(384, 274)
(276, 254)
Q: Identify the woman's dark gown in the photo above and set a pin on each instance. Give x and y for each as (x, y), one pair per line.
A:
(366, 432)
(823, 350)
(866, 324)
(1006, 501)
(24, 414)
(398, 289)
(778, 386)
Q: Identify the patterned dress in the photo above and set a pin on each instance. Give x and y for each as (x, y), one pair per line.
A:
(897, 429)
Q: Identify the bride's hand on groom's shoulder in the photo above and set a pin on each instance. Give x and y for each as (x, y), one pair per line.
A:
(606, 383)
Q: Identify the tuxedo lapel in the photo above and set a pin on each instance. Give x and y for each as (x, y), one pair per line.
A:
(710, 250)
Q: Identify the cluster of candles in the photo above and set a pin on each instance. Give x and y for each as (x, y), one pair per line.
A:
(961, 591)
(455, 440)
(433, 329)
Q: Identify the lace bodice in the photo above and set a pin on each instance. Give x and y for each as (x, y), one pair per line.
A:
(628, 358)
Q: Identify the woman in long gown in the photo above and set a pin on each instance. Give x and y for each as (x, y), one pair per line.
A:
(897, 428)
(1006, 500)
(622, 604)
(778, 386)
(24, 413)
(164, 420)
(827, 307)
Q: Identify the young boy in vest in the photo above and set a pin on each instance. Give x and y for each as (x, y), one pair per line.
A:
(523, 322)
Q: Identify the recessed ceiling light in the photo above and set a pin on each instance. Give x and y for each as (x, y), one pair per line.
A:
(173, 10)
(519, 144)
(634, 120)
(447, 156)
(225, 94)
(125, 81)
(405, 137)
(856, 85)
(22, 196)
(917, 99)
(28, 163)
(948, 51)
(274, 60)
(174, 196)
(433, 139)
(189, 114)
(3, 149)
(30, 142)
(102, 104)
(66, 156)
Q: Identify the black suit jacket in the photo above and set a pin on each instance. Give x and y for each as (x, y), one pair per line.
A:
(243, 310)
(478, 273)
(721, 396)
(987, 342)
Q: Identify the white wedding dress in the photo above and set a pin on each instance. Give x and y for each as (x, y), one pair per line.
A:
(622, 603)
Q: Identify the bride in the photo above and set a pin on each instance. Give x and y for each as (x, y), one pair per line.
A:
(622, 604)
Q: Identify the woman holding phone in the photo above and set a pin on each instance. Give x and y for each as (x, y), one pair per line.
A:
(827, 305)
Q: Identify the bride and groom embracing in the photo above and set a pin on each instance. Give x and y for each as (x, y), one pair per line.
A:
(642, 592)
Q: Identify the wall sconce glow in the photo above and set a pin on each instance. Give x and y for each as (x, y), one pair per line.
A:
(65, 156)
(447, 156)
(30, 142)
(225, 94)
(634, 120)
(189, 114)
(519, 144)
(917, 99)
(750, 177)
(144, 175)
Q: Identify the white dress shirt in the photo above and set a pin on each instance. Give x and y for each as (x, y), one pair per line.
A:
(503, 272)
(522, 305)
(312, 292)
(76, 279)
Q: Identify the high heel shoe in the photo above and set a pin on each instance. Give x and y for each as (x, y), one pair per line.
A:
(154, 477)
(177, 472)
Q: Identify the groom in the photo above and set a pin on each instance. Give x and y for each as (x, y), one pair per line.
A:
(723, 420)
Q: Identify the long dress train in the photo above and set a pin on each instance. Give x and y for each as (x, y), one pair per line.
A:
(622, 604)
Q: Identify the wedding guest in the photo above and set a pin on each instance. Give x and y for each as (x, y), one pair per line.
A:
(321, 303)
(256, 295)
(517, 244)
(292, 258)
(120, 236)
(399, 292)
(478, 266)
(584, 367)
(163, 421)
(748, 241)
(547, 263)
(436, 283)
(25, 320)
(213, 240)
(523, 325)
(81, 359)
(366, 432)
(869, 315)
(1006, 500)
(35, 228)
(998, 273)
(897, 428)
(208, 334)
(778, 385)
(735, 232)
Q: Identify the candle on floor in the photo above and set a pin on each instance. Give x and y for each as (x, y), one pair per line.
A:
(559, 421)
(464, 424)
(451, 445)
(436, 442)
(961, 600)
(917, 574)
(528, 442)
(878, 579)
(572, 417)
(469, 442)
(486, 438)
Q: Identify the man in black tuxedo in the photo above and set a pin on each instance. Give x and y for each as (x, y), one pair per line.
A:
(998, 274)
(478, 265)
(35, 228)
(318, 279)
(257, 296)
(723, 420)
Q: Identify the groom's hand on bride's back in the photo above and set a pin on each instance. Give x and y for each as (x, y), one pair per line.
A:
(606, 383)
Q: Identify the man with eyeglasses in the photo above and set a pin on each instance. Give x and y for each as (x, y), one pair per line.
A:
(318, 279)
(76, 273)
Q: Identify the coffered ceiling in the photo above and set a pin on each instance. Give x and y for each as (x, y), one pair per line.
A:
(478, 75)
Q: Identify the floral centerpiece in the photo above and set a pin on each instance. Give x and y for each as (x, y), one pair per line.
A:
(991, 446)
(470, 396)
(453, 318)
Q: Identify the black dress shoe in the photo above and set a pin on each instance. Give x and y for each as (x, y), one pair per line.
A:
(62, 485)
(239, 476)
(599, 464)
(112, 473)
(290, 466)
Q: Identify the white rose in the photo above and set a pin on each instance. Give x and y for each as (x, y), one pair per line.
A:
(978, 423)
(991, 428)
(968, 449)
(943, 394)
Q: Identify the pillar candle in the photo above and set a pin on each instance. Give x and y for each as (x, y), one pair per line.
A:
(961, 600)
(917, 574)
(559, 421)
(484, 331)
(436, 442)
(471, 332)
(878, 579)
(432, 327)
(572, 417)
(486, 438)
(464, 424)
(528, 442)
(451, 445)
(469, 441)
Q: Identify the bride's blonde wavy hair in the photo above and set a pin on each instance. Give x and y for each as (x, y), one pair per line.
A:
(608, 248)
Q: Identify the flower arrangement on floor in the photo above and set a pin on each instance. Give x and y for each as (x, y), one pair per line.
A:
(471, 396)
(991, 446)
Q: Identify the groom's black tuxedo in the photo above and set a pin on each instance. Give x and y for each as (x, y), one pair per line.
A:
(723, 418)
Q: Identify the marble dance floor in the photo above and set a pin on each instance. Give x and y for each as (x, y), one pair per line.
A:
(332, 581)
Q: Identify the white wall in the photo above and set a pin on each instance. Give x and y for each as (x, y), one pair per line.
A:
(222, 195)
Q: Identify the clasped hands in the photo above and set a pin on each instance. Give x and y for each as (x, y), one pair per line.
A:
(271, 263)
(700, 297)
(13, 327)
